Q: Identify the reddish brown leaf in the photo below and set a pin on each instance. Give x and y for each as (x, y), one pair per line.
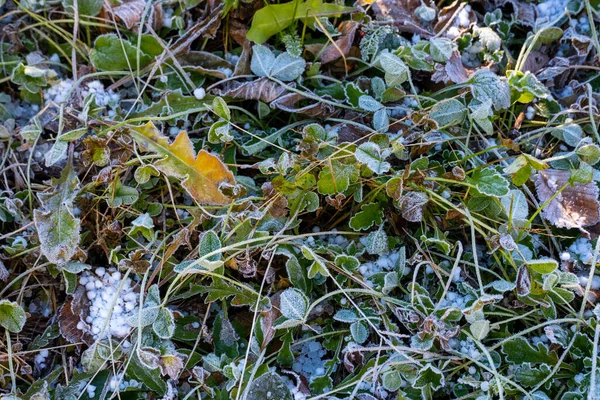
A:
(343, 44)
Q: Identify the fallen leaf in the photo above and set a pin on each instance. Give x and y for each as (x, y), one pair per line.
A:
(453, 71)
(131, 12)
(575, 207)
(400, 13)
(201, 174)
(261, 89)
(343, 44)
(317, 109)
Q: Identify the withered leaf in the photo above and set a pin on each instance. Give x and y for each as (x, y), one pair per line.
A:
(343, 44)
(575, 207)
(201, 174)
(261, 89)
(70, 315)
(318, 109)
(453, 71)
(412, 205)
(400, 12)
(131, 12)
(523, 281)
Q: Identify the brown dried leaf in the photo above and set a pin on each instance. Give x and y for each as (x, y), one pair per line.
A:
(261, 89)
(205, 63)
(318, 109)
(523, 12)
(575, 207)
(131, 12)
(70, 315)
(400, 13)
(343, 44)
(172, 364)
(453, 71)
(523, 281)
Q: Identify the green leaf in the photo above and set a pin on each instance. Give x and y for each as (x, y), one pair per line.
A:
(589, 153)
(293, 304)
(489, 182)
(57, 227)
(570, 134)
(31, 77)
(369, 215)
(337, 178)
(110, 53)
(480, 329)
(346, 316)
(12, 316)
(519, 351)
(441, 49)
(226, 339)
(274, 18)
(359, 332)
(373, 157)
(241, 295)
(164, 324)
(543, 266)
(123, 195)
(527, 375)
(486, 85)
(287, 68)
(88, 8)
(448, 112)
(396, 71)
(262, 60)
(221, 109)
(430, 376)
(269, 386)
(149, 377)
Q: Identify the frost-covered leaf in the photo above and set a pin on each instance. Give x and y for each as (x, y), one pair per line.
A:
(430, 376)
(337, 178)
(293, 304)
(588, 153)
(122, 195)
(543, 266)
(12, 316)
(515, 204)
(164, 325)
(89, 8)
(269, 386)
(287, 68)
(490, 39)
(529, 376)
(377, 242)
(441, 49)
(448, 113)
(381, 121)
(368, 103)
(571, 134)
(359, 332)
(480, 329)
(111, 53)
(575, 207)
(486, 85)
(518, 351)
(392, 380)
(347, 316)
(481, 113)
(396, 71)
(370, 214)
(201, 174)
(57, 227)
(412, 205)
(370, 154)
(489, 182)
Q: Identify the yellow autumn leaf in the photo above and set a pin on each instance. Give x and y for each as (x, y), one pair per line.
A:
(200, 174)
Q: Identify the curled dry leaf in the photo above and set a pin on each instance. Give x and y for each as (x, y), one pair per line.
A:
(205, 63)
(131, 12)
(201, 174)
(261, 89)
(71, 314)
(343, 44)
(318, 109)
(522, 11)
(400, 13)
(412, 205)
(453, 71)
(575, 207)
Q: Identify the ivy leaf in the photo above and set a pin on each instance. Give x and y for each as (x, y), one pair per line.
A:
(274, 18)
(369, 215)
(489, 182)
(519, 351)
(373, 157)
(57, 227)
(12, 316)
(201, 174)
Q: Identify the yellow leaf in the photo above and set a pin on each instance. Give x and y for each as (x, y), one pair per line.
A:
(201, 174)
